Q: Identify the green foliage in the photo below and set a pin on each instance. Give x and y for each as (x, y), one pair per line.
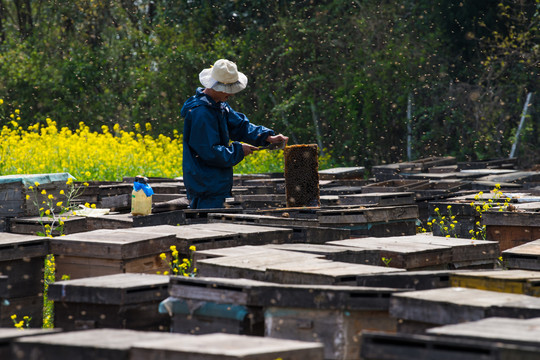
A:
(333, 72)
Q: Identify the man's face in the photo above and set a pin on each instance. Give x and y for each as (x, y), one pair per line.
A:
(222, 96)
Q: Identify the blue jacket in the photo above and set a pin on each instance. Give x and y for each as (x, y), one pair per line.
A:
(209, 156)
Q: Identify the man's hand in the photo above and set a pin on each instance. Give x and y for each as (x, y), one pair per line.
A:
(248, 149)
(273, 139)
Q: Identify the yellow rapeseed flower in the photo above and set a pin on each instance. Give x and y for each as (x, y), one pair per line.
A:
(43, 192)
(192, 248)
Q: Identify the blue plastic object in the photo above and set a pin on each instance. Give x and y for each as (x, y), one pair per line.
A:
(144, 187)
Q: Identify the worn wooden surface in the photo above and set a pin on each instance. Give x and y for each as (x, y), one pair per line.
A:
(347, 254)
(319, 271)
(8, 335)
(83, 345)
(339, 331)
(378, 198)
(356, 172)
(392, 186)
(81, 267)
(34, 224)
(225, 346)
(511, 281)
(404, 346)
(17, 246)
(252, 266)
(119, 289)
(451, 305)
(414, 280)
(404, 253)
(112, 244)
(218, 290)
(31, 306)
(304, 230)
(526, 256)
(504, 330)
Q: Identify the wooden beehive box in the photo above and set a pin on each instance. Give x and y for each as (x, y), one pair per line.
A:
(401, 185)
(320, 272)
(205, 305)
(226, 346)
(429, 252)
(512, 229)
(404, 346)
(106, 252)
(526, 256)
(112, 195)
(335, 253)
(333, 315)
(518, 338)
(511, 281)
(372, 221)
(487, 339)
(420, 310)
(304, 230)
(83, 344)
(301, 175)
(22, 260)
(378, 199)
(33, 224)
(8, 335)
(245, 262)
(15, 188)
(259, 201)
(355, 172)
(120, 301)
(414, 280)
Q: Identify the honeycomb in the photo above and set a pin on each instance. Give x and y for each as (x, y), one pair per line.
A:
(302, 175)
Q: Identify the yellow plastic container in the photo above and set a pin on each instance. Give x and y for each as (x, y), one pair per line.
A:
(140, 203)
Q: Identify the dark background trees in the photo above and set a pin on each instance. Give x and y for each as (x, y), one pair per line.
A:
(337, 73)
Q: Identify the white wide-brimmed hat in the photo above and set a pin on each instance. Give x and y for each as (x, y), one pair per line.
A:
(223, 76)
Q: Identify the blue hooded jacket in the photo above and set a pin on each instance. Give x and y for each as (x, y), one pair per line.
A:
(209, 156)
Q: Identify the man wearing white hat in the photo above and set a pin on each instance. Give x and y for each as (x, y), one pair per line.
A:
(209, 126)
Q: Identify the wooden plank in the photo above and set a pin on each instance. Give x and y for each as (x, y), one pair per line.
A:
(329, 297)
(503, 330)
(335, 253)
(112, 244)
(25, 276)
(403, 251)
(85, 345)
(378, 198)
(226, 346)
(303, 230)
(360, 216)
(463, 251)
(117, 289)
(403, 346)
(33, 225)
(509, 281)
(414, 280)
(392, 186)
(526, 256)
(337, 330)
(319, 271)
(247, 266)
(8, 335)
(143, 316)
(31, 306)
(450, 305)
(508, 218)
(17, 246)
(81, 267)
(218, 290)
